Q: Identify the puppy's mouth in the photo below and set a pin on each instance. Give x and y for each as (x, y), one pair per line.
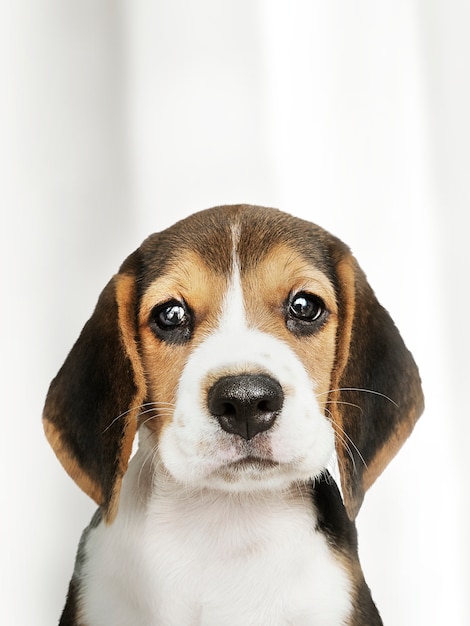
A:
(251, 468)
(252, 462)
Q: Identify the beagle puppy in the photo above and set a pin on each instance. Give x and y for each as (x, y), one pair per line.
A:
(247, 349)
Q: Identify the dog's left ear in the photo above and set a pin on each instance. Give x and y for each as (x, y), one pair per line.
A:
(90, 414)
(376, 394)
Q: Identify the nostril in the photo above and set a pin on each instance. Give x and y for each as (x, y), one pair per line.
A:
(228, 409)
(245, 404)
(271, 404)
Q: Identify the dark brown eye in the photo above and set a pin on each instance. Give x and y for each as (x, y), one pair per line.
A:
(171, 321)
(305, 313)
(306, 307)
(169, 316)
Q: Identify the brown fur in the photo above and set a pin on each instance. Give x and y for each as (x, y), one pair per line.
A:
(202, 289)
(266, 289)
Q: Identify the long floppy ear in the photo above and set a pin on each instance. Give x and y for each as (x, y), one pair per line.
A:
(376, 394)
(90, 414)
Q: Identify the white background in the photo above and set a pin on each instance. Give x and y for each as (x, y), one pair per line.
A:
(117, 118)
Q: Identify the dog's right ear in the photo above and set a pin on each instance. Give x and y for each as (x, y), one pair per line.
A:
(376, 395)
(91, 410)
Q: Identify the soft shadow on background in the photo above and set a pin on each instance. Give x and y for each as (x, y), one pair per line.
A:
(117, 118)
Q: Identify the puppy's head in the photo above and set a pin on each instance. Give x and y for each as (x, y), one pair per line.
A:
(249, 345)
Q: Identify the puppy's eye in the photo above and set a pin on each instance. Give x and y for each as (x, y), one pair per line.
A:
(305, 313)
(171, 321)
(306, 307)
(169, 316)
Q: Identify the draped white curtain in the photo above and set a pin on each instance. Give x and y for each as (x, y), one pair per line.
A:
(117, 118)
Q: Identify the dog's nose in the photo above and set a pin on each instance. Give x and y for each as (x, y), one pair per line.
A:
(246, 404)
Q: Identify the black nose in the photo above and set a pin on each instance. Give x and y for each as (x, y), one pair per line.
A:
(246, 404)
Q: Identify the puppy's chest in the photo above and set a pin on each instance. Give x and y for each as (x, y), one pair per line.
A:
(212, 563)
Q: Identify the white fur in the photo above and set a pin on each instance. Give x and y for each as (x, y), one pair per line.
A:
(199, 541)
(210, 558)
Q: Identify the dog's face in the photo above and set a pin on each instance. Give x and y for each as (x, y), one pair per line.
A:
(248, 350)
(249, 344)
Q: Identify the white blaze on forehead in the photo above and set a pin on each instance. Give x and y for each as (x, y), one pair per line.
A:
(234, 343)
(233, 308)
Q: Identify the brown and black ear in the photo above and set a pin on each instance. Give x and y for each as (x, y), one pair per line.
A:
(90, 414)
(376, 394)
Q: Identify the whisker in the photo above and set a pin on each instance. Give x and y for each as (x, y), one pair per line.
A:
(157, 410)
(299, 489)
(376, 393)
(124, 413)
(151, 455)
(356, 406)
(145, 404)
(342, 434)
(152, 417)
(342, 440)
(149, 419)
(345, 445)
